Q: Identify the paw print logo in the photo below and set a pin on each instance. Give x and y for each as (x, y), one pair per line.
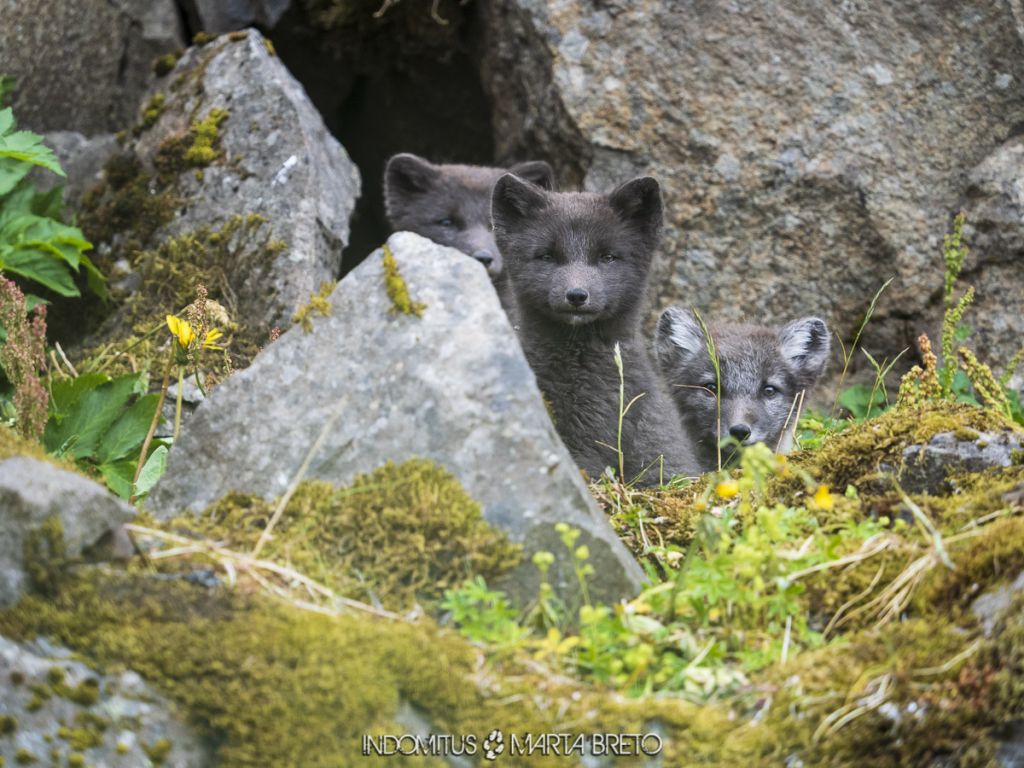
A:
(494, 745)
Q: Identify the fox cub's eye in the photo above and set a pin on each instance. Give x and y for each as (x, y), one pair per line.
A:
(711, 387)
(769, 391)
(608, 258)
(445, 222)
(545, 256)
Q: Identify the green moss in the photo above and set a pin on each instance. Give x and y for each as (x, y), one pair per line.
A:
(8, 725)
(158, 750)
(203, 38)
(76, 760)
(400, 534)
(318, 305)
(205, 134)
(162, 65)
(397, 289)
(151, 113)
(855, 456)
(44, 558)
(269, 46)
(25, 757)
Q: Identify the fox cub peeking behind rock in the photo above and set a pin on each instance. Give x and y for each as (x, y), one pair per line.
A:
(451, 204)
(577, 266)
(762, 372)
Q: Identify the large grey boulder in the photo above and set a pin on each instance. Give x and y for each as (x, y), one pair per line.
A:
(33, 492)
(808, 150)
(994, 211)
(371, 385)
(48, 728)
(229, 138)
(83, 65)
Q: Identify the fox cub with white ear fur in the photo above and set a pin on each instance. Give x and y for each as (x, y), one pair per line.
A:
(451, 205)
(578, 265)
(762, 371)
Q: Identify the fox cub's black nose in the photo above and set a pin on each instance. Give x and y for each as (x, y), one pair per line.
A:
(484, 257)
(740, 431)
(577, 296)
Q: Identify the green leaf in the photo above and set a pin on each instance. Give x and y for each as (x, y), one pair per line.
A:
(43, 269)
(89, 419)
(152, 471)
(65, 393)
(129, 431)
(119, 476)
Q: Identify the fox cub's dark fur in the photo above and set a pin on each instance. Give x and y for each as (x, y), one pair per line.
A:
(762, 371)
(578, 266)
(451, 204)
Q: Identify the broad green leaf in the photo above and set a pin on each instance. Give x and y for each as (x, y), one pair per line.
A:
(11, 172)
(43, 268)
(129, 431)
(90, 418)
(119, 476)
(65, 393)
(25, 146)
(152, 471)
(94, 278)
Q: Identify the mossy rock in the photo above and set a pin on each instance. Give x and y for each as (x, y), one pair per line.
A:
(401, 534)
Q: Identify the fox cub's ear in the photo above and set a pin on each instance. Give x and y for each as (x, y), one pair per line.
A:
(638, 204)
(536, 171)
(679, 336)
(406, 176)
(805, 345)
(515, 200)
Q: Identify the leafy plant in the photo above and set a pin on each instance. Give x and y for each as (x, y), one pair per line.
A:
(34, 243)
(23, 358)
(101, 423)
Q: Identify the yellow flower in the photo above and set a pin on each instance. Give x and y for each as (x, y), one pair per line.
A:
(823, 499)
(181, 330)
(212, 336)
(727, 489)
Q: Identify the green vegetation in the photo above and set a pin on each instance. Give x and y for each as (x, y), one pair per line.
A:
(34, 244)
(398, 290)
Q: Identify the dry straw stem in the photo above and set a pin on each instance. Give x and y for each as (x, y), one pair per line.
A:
(848, 354)
(713, 354)
(233, 561)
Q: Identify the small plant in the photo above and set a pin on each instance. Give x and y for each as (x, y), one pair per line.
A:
(34, 244)
(23, 358)
(483, 615)
(101, 423)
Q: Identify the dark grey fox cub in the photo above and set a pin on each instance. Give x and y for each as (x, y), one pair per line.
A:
(578, 266)
(451, 205)
(762, 371)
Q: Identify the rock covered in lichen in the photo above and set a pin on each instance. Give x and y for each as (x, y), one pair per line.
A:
(61, 712)
(228, 153)
(109, 46)
(806, 153)
(38, 499)
(371, 384)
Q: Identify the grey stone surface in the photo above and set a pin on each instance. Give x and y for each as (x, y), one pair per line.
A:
(32, 492)
(451, 386)
(807, 151)
(277, 161)
(218, 16)
(994, 210)
(82, 159)
(136, 716)
(926, 467)
(83, 65)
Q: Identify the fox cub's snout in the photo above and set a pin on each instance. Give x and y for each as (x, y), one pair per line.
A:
(762, 372)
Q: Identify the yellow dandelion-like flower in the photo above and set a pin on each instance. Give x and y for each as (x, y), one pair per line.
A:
(823, 498)
(727, 489)
(211, 339)
(181, 330)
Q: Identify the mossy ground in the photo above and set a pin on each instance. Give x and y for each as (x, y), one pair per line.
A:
(402, 534)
